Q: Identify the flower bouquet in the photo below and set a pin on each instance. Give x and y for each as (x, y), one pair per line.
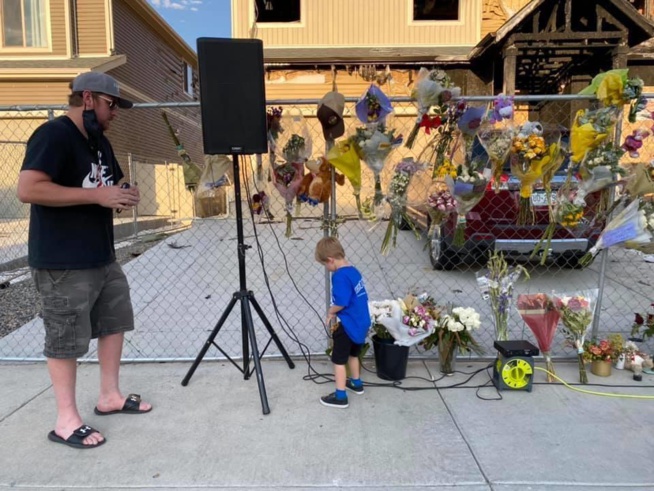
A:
(397, 198)
(343, 156)
(440, 204)
(599, 351)
(374, 144)
(496, 135)
(287, 179)
(532, 149)
(629, 227)
(261, 204)
(432, 88)
(641, 180)
(455, 333)
(381, 313)
(614, 88)
(469, 124)
(643, 321)
(540, 314)
(467, 189)
(373, 107)
(408, 321)
(566, 212)
(443, 145)
(589, 130)
(496, 284)
(274, 124)
(576, 316)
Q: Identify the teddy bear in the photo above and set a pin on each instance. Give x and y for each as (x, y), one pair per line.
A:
(639, 361)
(316, 185)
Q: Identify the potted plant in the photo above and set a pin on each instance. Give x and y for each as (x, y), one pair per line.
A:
(453, 334)
(397, 325)
(601, 355)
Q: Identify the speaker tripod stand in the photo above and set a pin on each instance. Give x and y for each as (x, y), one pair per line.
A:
(245, 297)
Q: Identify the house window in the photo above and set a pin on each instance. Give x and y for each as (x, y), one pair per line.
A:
(435, 9)
(188, 79)
(23, 23)
(277, 10)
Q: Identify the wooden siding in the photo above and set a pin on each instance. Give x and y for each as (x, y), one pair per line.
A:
(513, 6)
(91, 27)
(31, 93)
(362, 23)
(155, 72)
(58, 35)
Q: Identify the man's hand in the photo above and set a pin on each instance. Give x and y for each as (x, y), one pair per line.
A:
(118, 198)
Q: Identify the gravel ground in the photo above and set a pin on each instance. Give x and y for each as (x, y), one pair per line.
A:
(19, 302)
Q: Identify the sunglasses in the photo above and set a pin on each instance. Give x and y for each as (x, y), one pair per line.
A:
(113, 104)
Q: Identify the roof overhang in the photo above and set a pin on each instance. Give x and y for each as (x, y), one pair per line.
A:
(385, 54)
(65, 69)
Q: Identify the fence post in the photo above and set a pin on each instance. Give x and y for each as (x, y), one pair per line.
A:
(604, 258)
(50, 114)
(329, 215)
(132, 179)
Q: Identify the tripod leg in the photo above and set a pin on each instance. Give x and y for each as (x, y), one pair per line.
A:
(210, 339)
(244, 334)
(247, 323)
(272, 332)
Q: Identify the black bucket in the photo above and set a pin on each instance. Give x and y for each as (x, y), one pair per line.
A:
(391, 360)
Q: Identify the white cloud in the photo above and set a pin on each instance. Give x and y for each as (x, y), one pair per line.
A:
(176, 5)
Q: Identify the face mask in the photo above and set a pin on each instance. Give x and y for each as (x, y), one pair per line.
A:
(92, 125)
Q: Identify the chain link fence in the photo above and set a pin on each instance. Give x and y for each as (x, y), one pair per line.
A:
(179, 246)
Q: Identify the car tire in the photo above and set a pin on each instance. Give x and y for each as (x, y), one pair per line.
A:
(569, 260)
(440, 256)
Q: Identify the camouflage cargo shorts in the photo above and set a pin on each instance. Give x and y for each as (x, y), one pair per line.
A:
(82, 304)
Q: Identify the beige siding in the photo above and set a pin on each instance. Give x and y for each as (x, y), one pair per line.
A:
(58, 35)
(362, 23)
(91, 27)
(32, 93)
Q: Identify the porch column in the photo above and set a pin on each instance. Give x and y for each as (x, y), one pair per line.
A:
(619, 58)
(510, 55)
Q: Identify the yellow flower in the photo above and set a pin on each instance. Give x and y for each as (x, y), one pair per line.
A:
(610, 89)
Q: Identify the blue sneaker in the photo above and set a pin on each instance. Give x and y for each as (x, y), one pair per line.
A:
(332, 401)
(350, 386)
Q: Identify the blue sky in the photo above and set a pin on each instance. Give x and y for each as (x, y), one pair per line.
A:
(196, 18)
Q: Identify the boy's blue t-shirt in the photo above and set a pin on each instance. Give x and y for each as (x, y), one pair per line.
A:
(349, 292)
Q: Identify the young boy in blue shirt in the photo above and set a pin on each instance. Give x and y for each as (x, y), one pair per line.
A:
(350, 309)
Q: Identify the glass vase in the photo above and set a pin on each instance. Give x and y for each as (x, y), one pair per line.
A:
(447, 351)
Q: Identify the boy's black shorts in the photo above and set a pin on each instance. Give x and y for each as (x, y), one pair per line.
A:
(343, 346)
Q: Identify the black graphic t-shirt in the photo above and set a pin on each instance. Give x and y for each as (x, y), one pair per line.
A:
(70, 237)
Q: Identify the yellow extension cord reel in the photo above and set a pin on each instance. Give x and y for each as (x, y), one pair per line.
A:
(514, 366)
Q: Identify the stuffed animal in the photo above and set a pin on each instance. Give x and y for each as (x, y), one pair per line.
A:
(638, 361)
(316, 185)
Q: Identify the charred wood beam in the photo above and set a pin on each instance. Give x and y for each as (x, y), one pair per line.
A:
(568, 36)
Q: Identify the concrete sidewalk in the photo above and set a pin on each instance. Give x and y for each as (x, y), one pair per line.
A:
(212, 434)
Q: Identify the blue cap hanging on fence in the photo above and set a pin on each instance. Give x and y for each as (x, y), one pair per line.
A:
(373, 106)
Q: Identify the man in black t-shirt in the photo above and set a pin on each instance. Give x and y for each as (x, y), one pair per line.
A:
(70, 177)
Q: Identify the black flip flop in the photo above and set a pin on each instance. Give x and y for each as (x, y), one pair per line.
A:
(131, 406)
(76, 440)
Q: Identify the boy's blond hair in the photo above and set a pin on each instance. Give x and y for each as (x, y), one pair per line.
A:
(329, 247)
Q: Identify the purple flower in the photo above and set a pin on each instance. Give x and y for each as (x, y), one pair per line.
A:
(373, 106)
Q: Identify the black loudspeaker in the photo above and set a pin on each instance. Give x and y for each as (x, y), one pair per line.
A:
(232, 96)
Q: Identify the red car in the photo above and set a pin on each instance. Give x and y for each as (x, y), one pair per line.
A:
(492, 225)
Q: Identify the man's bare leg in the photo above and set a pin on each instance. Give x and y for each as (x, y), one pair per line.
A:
(63, 373)
(110, 349)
